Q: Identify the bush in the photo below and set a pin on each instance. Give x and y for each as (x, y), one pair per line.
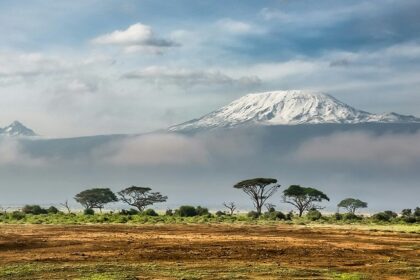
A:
(274, 215)
(220, 213)
(52, 210)
(201, 211)
(391, 214)
(409, 219)
(417, 212)
(313, 215)
(289, 216)
(150, 212)
(252, 214)
(169, 212)
(187, 211)
(89, 211)
(338, 216)
(351, 217)
(34, 210)
(17, 215)
(406, 212)
(385, 216)
(130, 211)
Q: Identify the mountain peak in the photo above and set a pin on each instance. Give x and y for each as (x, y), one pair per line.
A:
(291, 107)
(16, 129)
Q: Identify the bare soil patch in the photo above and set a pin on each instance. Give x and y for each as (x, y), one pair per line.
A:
(377, 255)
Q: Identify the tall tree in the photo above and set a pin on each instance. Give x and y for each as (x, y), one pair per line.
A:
(140, 197)
(303, 198)
(259, 190)
(352, 204)
(95, 198)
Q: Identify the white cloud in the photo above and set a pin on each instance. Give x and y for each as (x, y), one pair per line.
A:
(235, 26)
(137, 37)
(27, 65)
(317, 17)
(188, 77)
(363, 148)
(11, 153)
(154, 149)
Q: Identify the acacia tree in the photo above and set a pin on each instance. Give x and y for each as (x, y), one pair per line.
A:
(303, 198)
(95, 198)
(352, 204)
(231, 206)
(259, 190)
(140, 197)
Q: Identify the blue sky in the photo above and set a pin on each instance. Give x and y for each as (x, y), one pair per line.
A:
(92, 67)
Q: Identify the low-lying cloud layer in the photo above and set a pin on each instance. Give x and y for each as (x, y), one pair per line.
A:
(13, 154)
(343, 164)
(363, 148)
(154, 150)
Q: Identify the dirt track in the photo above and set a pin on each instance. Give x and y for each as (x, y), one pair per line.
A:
(380, 255)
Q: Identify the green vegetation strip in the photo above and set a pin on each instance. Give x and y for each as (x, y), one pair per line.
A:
(143, 218)
(110, 271)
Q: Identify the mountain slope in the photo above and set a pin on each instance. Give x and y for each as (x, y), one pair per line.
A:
(17, 129)
(288, 108)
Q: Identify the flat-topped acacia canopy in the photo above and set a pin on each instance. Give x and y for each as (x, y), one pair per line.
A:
(255, 182)
(259, 190)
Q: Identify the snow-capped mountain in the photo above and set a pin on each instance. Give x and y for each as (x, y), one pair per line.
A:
(290, 107)
(16, 129)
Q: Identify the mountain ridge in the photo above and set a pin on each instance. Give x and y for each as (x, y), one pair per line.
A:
(292, 107)
(17, 129)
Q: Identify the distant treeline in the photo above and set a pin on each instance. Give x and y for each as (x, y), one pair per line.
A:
(259, 190)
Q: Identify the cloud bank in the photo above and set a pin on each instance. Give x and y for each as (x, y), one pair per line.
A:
(362, 148)
(154, 150)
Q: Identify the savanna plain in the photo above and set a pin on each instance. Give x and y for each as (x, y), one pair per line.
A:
(209, 250)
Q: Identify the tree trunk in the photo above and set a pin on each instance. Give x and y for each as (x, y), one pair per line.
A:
(300, 212)
(259, 210)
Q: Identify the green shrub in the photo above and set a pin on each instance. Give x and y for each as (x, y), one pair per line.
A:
(169, 212)
(252, 215)
(150, 212)
(130, 211)
(89, 211)
(313, 215)
(409, 219)
(289, 216)
(201, 211)
(187, 211)
(17, 215)
(383, 216)
(52, 210)
(34, 210)
(391, 214)
(417, 212)
(406, 212)
(274, 215)
(338, 216)
(351, 217)
(122, 219)
(220, 213)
